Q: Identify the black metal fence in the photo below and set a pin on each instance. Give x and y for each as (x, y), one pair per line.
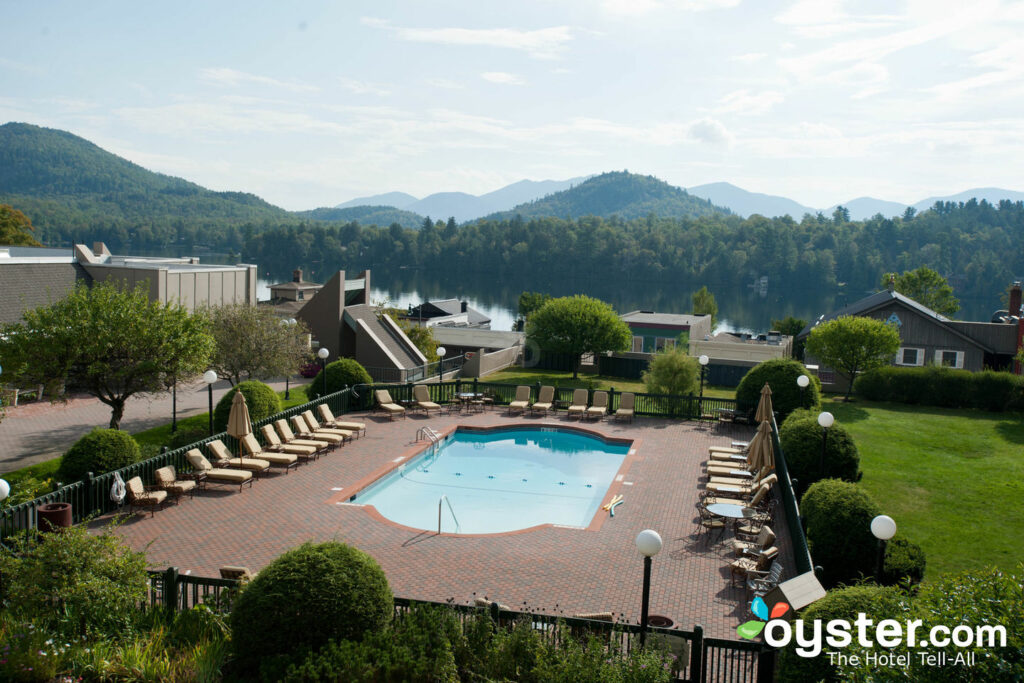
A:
(700, 659)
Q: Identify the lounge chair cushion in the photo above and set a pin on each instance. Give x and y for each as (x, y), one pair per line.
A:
(140, 496)
(200, 463)
(166, 479)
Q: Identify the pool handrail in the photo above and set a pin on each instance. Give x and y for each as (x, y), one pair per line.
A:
(444, 498)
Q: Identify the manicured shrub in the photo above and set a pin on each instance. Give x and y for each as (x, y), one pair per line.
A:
(340, 374)
(877, 602)
(946, 387)
(306, 597)
(838, 516)
(780, 374)
(801, 439)
(261, 399)
(904, 563)
(74, 580)
(99, 451)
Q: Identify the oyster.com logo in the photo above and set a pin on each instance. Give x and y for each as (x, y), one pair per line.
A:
(752, 629)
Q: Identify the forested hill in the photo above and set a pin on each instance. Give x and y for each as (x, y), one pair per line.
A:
(367, 215)
(619, 193)
(73, 190)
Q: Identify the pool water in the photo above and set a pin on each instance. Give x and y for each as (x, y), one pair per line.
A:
(500, 480)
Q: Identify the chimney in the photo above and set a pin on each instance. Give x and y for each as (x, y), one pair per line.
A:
(464, 304)
(1015, 299)
(297, 275)
(892, 284)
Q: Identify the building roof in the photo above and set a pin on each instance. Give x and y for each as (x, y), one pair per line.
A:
(474, 337)
(388, 336)
(878, 300)
(297, 285)
(652, 318)
(446, 307)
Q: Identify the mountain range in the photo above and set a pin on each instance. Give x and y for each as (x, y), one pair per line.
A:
(69, 186)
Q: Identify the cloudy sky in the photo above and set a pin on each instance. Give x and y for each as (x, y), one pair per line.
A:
(313, 103)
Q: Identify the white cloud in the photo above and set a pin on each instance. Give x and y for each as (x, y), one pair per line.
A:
(502, 78)
(362, 87)
(639, 7)
(13, 65)
(827, 18)
(749, 57)
(444, 83)
(545, 43)
(710, 131)
(749, 103)
(225, 76)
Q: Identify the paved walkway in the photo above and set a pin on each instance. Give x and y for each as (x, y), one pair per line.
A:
(39, 431)
(560, 569)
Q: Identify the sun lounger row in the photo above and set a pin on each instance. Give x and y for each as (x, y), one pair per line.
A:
(577, 408)
(282, 448)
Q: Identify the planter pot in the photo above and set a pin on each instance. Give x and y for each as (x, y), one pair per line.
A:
(659, 621)
(53, 516)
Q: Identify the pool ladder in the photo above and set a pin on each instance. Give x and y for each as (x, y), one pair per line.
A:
(444, 499)
(426, 433)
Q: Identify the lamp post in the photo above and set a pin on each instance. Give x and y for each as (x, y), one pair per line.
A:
(883, 528)
(441, 353)
(287, 390)
(826, 420)
(703, 360)
(210, 377)
(322, 354)
(174, 406)
(648, 542)
(803, 381)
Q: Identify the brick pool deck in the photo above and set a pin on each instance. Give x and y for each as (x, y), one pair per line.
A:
(554, 569)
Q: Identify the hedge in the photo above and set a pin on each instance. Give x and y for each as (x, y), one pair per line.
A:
(99, 451)
(344, 372)
(945, 387)
(260, 398)
(838, 516)
(801, 439)
(780, 374)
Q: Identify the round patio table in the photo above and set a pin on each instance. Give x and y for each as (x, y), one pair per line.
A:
(730, 510)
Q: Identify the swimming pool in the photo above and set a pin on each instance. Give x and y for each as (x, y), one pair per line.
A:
(500, 480)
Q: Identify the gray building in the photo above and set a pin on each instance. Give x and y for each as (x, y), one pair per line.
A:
(34, 276)
(928, 338)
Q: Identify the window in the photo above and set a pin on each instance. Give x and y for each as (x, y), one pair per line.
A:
(638, 344)
(301, 295)
(664, 343)
(949, 359)
(910, 356)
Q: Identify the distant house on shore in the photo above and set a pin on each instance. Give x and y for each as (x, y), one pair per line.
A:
(447, 313)
(653, 332)
(34, 276)
(926, 337)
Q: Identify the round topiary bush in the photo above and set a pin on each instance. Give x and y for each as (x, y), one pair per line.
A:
(904, 563)
(780, 374)
(99, 451)
(877, 602)
(307, 596)
(801, 439)
(261, 399)
(344, 372)
(838, 516)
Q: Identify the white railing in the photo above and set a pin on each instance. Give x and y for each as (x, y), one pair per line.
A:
(444, 499)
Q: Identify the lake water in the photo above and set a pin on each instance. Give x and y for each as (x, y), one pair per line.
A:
(742, 306)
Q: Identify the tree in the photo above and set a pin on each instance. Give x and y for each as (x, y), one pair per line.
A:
(16, 228)
(853, 345)
(704, 304)
(108, 342)
(577, 325)
(672, 371)
(253, 342)
(530, 302)
(926, 287)
(791, 326)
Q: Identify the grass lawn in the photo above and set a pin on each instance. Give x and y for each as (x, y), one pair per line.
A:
(952, 479)
(564, 379)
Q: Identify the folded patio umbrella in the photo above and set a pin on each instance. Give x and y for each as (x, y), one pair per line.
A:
(239, 424)
(760, 453)
(764, 406)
